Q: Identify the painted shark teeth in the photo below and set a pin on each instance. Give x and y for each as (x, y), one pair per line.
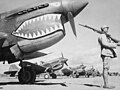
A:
(25, 36)
(47, 31)
(41, 18)
(43, 33)
(54, 17)
(56, 27)
(60, 26)
(58, 16)
(39, 33)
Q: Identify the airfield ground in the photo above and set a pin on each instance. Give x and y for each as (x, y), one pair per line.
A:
(61, 83)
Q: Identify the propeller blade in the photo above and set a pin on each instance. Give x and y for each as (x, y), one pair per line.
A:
(72, 22)
(62, 55)
(66, 64)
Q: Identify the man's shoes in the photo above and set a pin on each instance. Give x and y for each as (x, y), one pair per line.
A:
(109, 87)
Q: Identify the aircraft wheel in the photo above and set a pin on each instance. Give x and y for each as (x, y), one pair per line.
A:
(73, 75)
(26, 76)
(88, 75)
(93, 75)
(54, 76)
(46, 76)
(77, 76)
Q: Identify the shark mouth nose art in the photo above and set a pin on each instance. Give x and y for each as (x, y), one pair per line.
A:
(40, 26)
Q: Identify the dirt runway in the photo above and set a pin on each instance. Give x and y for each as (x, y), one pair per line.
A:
(61, 83)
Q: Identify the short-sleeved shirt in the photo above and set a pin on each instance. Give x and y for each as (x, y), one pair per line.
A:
(106, 44)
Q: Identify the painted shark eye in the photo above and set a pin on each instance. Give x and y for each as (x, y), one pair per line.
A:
(22, 12)
(43, 6)
(32, 9)
(56, 4)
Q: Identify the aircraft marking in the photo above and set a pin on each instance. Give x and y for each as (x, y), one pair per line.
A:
(39, 33)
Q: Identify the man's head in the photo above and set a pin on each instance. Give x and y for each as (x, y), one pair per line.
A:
(104, 29)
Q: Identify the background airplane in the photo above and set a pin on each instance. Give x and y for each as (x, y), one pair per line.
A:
(54, 65)
(75, 71)
(48, 68)
(13, 69)
(34, 27)
(80, 70)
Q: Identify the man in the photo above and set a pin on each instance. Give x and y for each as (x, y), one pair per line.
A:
(107, 53)
(107, 50)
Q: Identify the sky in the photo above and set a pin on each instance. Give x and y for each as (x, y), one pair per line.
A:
(83, 49)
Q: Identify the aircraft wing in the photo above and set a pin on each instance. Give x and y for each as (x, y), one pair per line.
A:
(38, 68)
(10, 72)
(34, 55)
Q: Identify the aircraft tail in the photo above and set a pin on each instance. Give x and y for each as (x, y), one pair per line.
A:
(13, 67)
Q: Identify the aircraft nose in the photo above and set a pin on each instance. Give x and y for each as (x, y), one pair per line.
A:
(74, 6)
(71, 8)
(78, 6)
(64, 60)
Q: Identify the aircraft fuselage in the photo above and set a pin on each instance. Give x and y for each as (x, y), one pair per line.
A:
(38, 25)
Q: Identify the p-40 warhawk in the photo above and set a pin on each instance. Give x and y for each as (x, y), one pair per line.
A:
(48, 68)
(75, 71)
(54, 65)
(35, 27)
(13, 69)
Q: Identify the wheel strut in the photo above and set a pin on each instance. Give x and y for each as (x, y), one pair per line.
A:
(26, 74)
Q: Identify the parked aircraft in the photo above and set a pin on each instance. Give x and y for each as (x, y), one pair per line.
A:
(52, 66)
(75, 71)
(13, 69)
(48, 68)
(92, 72)
(80, 71)
(34, 27)
(66, 72)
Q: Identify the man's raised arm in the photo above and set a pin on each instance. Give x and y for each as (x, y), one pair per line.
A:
(95, 30)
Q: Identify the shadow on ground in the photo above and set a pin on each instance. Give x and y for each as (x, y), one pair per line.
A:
(88, 85)
(91, 85)
(1, 87)
(40, 82)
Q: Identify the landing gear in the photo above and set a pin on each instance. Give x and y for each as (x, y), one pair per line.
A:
(26, 75)
(75, 75)
(51, 73)
(87, 75)
(47, 76)
(54, 76)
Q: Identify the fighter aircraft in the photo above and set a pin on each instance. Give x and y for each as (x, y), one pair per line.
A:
(75, 71)
(48, 68)
(34, 27)
(13, 69)
(54, 65)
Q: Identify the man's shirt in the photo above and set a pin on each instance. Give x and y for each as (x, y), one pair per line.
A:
(106, 45)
